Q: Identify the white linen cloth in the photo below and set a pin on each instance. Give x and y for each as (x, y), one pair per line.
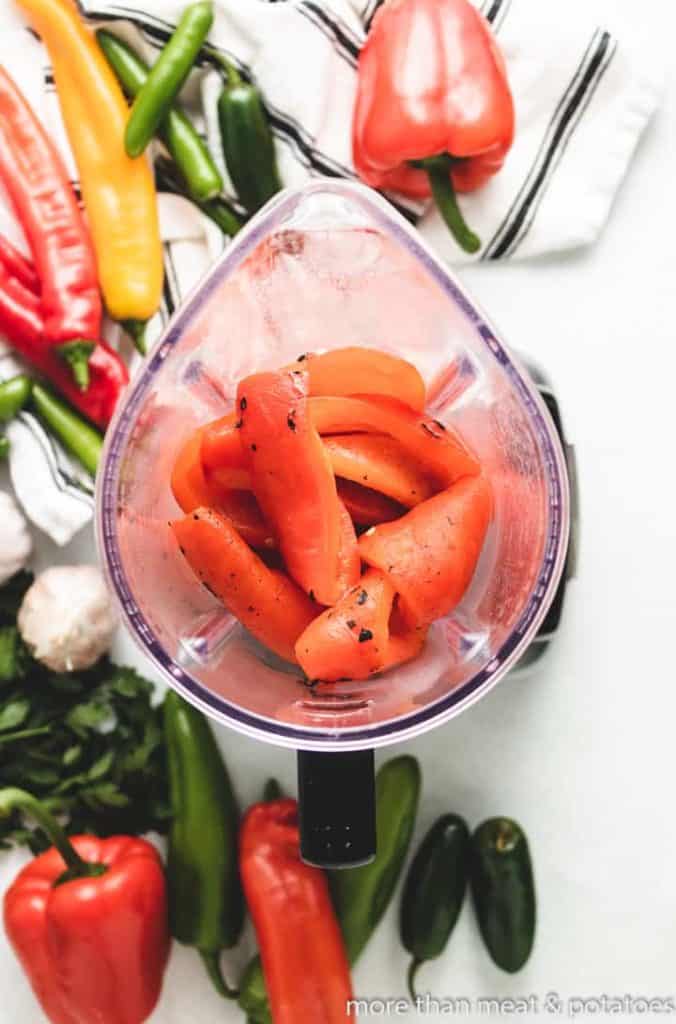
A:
(582, 100)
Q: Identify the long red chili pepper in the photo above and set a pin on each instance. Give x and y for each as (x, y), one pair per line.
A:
(434, 110)
(304, 961)
(18, 266)
(37, 183)
(22, 323)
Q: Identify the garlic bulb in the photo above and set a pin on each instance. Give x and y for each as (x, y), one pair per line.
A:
(66, 617)
(15, 540)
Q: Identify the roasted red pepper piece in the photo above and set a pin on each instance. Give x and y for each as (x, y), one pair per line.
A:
(367, 507)
(37, 183)
(432, 123)
(88, 922)
(379, 462)
(436, 447)
(349, 562)
(266, 601)
(307, 975)
(359, 370)
(21, 321)
(292, 479)
(191, 491)
(353, 640)
(430, 554)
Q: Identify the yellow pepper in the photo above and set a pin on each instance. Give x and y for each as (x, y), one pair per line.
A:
(118, 192)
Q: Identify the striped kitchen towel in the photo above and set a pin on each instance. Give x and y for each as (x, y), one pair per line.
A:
(582, 100)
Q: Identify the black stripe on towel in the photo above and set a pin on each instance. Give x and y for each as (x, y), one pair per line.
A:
(584, 81)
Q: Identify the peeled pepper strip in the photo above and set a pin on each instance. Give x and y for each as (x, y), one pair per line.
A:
(292, 479)
(357, 370)
(436, 447)
(379, 462)
(265, 601)
(367, 507)
(191, 490)
(118, 192)
(430, 554)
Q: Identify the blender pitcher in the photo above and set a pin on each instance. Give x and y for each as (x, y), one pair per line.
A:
(327, 266)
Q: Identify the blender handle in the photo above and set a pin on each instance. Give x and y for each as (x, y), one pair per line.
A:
(337, 808)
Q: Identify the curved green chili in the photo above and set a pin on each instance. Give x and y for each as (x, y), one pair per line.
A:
(218, 210)
(167, 76)
(188, 149)
(14, 393)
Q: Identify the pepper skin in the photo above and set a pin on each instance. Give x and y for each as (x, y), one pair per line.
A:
(304, 960)
(93, 942)
(118, 192)
(451, 106)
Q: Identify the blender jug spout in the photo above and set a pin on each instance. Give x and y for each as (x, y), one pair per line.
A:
(336, 797)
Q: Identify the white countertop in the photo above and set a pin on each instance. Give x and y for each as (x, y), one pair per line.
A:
(582, 752)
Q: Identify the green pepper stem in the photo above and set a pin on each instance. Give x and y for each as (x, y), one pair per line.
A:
(272, 791)
(136, 329)
(410, 978)
(76, 354)
(12, 799)
(438, 170)
(212, 962)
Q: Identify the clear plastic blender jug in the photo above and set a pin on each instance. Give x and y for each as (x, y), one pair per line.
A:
(327, 266)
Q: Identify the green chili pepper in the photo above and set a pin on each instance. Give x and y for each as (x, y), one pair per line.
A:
(248, 145)
(503, 888)
(166, 77)
(14, 393)
(434, 892)
(169, 179)
(78, 436)
(4, 447)
(183, 142)
(253, 997)
(206, 905)
(361, 895)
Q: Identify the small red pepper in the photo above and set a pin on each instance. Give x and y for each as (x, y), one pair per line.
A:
(434, 111)
(88, 922)
(306, 970)
(22, 323)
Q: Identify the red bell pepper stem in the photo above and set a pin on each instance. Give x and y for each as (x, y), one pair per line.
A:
(13, 799)
(438, 170)
(18, 266)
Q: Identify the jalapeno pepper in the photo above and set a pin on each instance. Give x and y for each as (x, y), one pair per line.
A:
(503, 889)
(434, 892)
(248, 145)
(221, 213)
(183, 142)
(167, 76)
(206, 907)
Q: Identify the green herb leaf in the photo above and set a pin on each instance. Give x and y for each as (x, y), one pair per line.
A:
(13, 714)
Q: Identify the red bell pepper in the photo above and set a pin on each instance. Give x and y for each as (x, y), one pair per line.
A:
(306, 970)
(64, 324)
(434, 111)
(88, 922)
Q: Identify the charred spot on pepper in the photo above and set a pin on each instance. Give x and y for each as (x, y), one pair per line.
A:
(238, 423)
(365, 635)
(290, 422)
(254, 447)
(430, 431)
(242, 403)
(311, 595)
(350, 624)
(442, 426)
(363, 597)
